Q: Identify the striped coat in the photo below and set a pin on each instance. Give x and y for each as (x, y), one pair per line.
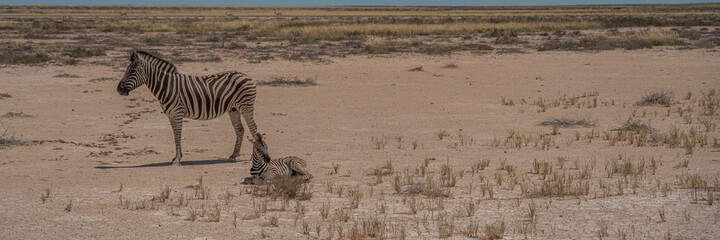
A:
(195, 97)
(265, 168)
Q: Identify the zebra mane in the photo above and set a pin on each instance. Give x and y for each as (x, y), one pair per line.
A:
(157, 62)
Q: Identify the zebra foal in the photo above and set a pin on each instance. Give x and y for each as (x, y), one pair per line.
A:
(264, 168)
(195, 97)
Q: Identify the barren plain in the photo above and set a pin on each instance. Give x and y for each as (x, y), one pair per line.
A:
(587, 131)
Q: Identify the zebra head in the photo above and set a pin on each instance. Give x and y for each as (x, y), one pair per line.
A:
(134, 76)
(260, 149)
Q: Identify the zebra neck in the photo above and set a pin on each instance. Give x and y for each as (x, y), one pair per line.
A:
(163, 84)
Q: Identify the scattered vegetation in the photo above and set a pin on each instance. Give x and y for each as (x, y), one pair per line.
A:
(288, 81)
(80, 52)
(380, 47)
(30, 57)
(627, 40)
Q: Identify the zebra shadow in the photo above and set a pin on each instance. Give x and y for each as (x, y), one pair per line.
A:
(167, 164)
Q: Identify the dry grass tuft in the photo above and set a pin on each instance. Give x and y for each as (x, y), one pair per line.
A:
(45, 196)
(495, 230)
(69, 206)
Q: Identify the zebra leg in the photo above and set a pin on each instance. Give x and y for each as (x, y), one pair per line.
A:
(268, 175)
(239, 131)
(301, 172)
(176, 123)
(247, 112)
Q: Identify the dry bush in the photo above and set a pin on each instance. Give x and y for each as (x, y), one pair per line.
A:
(5, 95)
(428, 188)
(634, 126)
(442, 134)
(416, 69)
(16, 114)
(450, 65)
(6, 140)
(287, 81)
(568, 122)
(656, 98)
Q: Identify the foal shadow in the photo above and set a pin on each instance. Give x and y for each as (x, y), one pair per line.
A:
(164, 164)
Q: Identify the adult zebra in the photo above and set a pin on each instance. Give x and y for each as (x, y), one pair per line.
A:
(196, 97)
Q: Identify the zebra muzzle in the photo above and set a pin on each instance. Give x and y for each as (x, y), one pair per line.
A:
(122, 91)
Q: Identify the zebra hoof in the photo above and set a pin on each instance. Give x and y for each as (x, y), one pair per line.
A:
(232, 159)
(176, 163)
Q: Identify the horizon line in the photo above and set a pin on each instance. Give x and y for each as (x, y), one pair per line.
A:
(271, 6)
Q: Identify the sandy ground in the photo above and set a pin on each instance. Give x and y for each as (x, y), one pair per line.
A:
(91, 141)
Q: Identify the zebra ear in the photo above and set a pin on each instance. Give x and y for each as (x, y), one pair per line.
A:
(251, 139)
(133, 56)
(259, 136)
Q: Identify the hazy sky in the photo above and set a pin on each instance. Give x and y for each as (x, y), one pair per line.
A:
(351, 2)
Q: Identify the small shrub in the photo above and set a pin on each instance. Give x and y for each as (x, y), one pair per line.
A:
(656, 98)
